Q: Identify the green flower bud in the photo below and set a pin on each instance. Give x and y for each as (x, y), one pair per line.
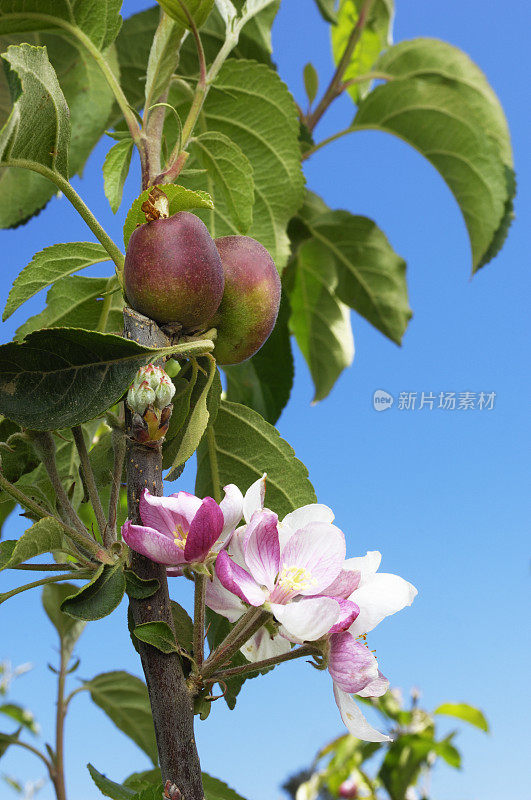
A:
(198, 10)
(164, 392)
(140, 397)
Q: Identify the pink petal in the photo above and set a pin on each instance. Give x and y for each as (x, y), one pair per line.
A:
(351, 664)
(318, 549)
(205, 529)
(307, 619)
(375, 688)
(232, 509)
(261, 548)
(348, 611)
(343, 586)
(354, 719)
(152, 544)
(161, 513)
(187, 505)
(254, 497)
(238, 581)
(222, 601)
(367, 564)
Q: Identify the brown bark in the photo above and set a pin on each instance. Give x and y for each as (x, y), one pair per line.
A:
(170, 699)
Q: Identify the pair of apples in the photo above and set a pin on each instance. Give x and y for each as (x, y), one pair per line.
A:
(177, 275)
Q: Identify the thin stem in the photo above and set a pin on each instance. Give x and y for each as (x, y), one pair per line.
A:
(326, 141)
(106, 306)
(31, 749)
(90, 481)
(257, 666)
(57, 567)
(72, 694)
(335, 87)
(82, 573)
(59, 765)
(214, 467)
(199, 619)
(369, 76)
(119, 447)
(256, 617)
(45, 446)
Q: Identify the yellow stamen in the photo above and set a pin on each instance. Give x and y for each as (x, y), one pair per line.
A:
(295, 579)
(180, 537)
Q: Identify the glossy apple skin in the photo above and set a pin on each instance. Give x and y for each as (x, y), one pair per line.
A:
(173, 271)
(251, 299)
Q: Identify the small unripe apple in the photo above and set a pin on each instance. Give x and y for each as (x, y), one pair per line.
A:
(173, 271)
(251, 299)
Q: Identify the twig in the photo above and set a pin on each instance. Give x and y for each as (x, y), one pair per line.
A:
(257, 666)
(90, 482)
(119, 446)
(240, 634)
(199, 619)
(81, 573)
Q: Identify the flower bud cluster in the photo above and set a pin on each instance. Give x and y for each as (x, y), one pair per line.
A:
(151, 387)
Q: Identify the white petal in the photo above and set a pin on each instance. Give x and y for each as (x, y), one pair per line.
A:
(307, 619)
(263, 645)
(235, 547)
(314, 512)
(232, 509)
(381, 596)
(254, 497)
(367, 565)
(222, 601)
(354, 719)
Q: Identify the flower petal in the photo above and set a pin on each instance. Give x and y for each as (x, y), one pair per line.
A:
(232, 509)
(261, 548)
(205, 529)
(379, 597)
(160, 513)
(264, 645)
(375, 688)
(348, 613)
(187, 504)
(319, 549)
(351, 664)
(346, 582)
(152, 544)
(307, 619)
(314, 512)
(367, 564)
(238, 581)
(254, 497)
(222, 601)
(354, 719)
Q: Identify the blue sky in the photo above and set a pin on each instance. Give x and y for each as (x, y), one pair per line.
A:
(443, 494)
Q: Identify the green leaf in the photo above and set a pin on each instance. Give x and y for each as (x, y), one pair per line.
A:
(45, 536)
(99, 21)
(6, 551)
(124, 699)
(184, 627)
(327, 9)
(163, 58)
(158, 634)
(61, 377)
(311, 82)
(218, 790)
(264, 381)
(23, 716)
(402, 764)
(206, 390)
(232, 172)
(376, 36)
(319, 320)
(241, 447)
(115, 171)
(37, 132)
(142, 780)
(90, 100)
(250, 105)
(133, 46)
(465, 712)
(99, 597)
(453, 128)
(49, 266)
(139, 588)
(7, 739)
(180, 199)
(445, 749)
(79, 301)
(19, 457)
(109, 788)
(69, 629)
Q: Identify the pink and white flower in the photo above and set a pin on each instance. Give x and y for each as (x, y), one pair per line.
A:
(182, 529)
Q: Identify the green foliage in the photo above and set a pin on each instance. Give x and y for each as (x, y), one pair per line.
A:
(163, 58)
(124, 699)
(68, 628)
(139, 588)
(327, 9)
(22, 716)
(65, 376)
(240, 447)
(157, 634)
(465, 712)
(99, 597)
(50, 265)
(109, 788)
(115, 170)
(376, 36)
(184, 627)
(250, 105)
(45, 536)
(311, 82)
(180, 199)
(218, 790)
